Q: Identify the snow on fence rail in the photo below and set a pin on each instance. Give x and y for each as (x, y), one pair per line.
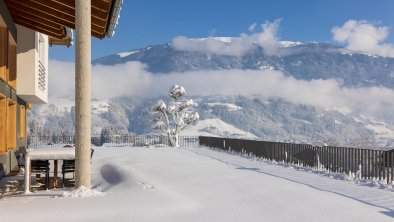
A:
(354, 162)
(146, 140)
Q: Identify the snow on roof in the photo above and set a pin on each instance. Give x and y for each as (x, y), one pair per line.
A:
(115, 14)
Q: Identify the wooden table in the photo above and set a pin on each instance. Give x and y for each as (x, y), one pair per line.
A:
(46, 154)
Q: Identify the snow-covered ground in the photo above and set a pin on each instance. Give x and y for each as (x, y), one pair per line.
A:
(199, 184)
(216, 127)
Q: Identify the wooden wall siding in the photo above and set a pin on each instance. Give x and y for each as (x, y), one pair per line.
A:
(11, 125)
(10, 104)
(3, 50)
(22, 122)
(3, 123)
(52, 16)
(11, 61)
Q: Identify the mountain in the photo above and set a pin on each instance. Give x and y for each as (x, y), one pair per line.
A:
(230, 116)
(248, 117)
(302, 60)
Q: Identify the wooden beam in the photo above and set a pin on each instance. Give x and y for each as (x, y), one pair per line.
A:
(37, 9)
(39, 29)
(55, 41)
(104, 4)
(19, 8)
(61, 8)
(99, 11)
(43, 8)
(43, 21)
(35, 14)
(59, 30)
(99, 4)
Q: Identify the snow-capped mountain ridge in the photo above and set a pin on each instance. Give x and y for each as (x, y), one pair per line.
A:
(305, 61)
(232, 39)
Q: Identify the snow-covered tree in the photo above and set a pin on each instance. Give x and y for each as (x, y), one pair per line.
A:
(172, 119)
(106, 135)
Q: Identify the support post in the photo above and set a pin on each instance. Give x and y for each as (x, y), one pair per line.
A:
(27, 173)
(82, 93)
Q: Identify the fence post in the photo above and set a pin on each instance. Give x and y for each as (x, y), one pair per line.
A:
(392, 165)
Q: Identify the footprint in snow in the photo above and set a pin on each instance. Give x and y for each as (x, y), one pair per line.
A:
(146, 186)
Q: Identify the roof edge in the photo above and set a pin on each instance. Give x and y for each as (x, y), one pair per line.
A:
(115, 14)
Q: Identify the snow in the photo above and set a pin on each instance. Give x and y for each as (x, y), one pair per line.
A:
(263, 67)
(290, 43)
(216, 127)
(337, 122)
(232, 39)
(229, 106)
(381, 130)
(351, 52)
(62, 105)
(82, 192)
(125, 54)
(159, 106)
(342, 110)
(51, 153)
(199, 184)
(222, 39)
(177, 91)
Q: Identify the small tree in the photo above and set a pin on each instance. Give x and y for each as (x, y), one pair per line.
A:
(106, 135)
(172, 119)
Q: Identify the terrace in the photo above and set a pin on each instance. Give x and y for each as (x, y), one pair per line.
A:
(200, 184)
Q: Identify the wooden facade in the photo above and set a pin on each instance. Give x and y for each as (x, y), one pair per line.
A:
(54, 18)
(8, 100)
(11, 118)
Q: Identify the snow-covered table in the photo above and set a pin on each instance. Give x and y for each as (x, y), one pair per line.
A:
(45, 154)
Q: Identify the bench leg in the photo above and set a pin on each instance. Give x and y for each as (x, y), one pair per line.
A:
(63, 175)
(47, 174)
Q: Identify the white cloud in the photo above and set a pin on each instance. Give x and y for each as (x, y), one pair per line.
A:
(107, 81)
(252, 27)
(132, 79)
(364, 36)
(238, 46)
(267, 39)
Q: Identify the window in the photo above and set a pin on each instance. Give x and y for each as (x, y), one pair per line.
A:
(3, 50)
(11, 61)
(11, 125)
(22, 122)
(3, 122)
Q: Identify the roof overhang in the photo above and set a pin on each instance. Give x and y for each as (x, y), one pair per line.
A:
(67, 41)
(53, 17)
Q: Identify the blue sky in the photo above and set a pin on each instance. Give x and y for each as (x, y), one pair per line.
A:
(149, 22)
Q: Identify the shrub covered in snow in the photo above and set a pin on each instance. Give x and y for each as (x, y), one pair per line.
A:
(173, 118)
